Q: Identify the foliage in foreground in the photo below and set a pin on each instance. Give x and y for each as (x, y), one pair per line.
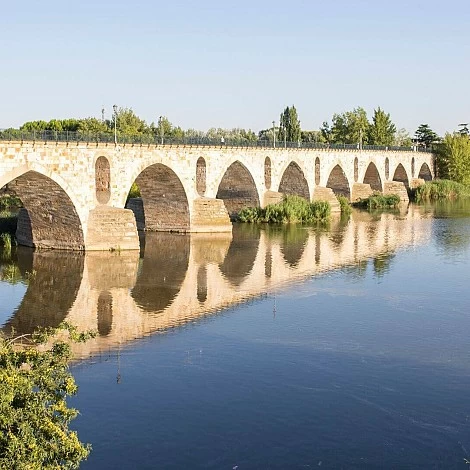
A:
(379, 201)
(34, 383)
(441, 189)
(292, 209)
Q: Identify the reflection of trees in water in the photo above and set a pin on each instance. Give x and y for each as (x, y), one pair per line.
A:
(162, 270)
(357, 271)
(453, 234)
(382, 264)
(337, 230)
(242, 253)
(54, 279)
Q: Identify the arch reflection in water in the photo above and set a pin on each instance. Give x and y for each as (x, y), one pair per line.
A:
(162, 270)
(242, 253)
(184, 277)
(53, 278)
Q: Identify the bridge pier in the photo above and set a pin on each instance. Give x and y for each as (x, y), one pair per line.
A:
(360, 191)
(396, 187)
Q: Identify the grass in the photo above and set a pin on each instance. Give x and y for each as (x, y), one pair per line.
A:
(441, 189)
(292, 209)
(379, 201)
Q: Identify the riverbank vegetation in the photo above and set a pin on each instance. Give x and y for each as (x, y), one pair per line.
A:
(441, 189)
(344, 205)
(379, 201)
(35, 383)
(292, 209)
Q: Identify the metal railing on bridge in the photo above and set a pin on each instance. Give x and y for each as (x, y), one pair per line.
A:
(11, 135)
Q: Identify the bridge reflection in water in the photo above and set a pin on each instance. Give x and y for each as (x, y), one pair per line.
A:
(180, 278)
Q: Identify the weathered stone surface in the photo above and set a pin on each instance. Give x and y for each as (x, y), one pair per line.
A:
(396, 187)
(112, 229)
(327, 194)
(361, 191)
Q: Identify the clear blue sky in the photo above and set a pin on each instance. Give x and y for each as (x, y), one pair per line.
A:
(219, 63)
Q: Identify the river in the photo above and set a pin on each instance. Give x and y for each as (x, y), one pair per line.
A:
(338, 347)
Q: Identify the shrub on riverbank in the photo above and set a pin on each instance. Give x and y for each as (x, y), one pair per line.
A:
(441, 189)
(292, 209)
(379, 201)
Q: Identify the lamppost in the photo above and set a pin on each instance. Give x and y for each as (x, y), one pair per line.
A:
(274, 135)
(160, 125)
(115, 119)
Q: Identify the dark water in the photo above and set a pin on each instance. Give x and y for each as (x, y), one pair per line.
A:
(295, 348)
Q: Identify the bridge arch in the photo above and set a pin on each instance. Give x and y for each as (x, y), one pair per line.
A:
(425, 172)
(293, 181)
(372, 177)
(237, 189)
(338, 182)
(50, 218)
(401, 175)
(165, 203)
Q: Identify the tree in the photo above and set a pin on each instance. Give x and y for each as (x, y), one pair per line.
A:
(128, 123)
(454, 158)
(34, 417)
(350, 127)
(289, 128)
(92, 126)
(425, 136)
(402, 138)
(382, 130)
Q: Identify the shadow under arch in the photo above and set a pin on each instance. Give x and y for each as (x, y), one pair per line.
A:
(162, 270)
(293, 182)
(241, 255)
(372, 177)
(164, 199)
(401, 176)
(49, 218)
(338, 182)
(54, 278)
(237, 189)
(425, 172)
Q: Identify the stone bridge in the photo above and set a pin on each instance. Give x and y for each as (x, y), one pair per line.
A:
(75, 194)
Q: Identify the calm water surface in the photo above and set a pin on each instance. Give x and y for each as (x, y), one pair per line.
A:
(295, 348)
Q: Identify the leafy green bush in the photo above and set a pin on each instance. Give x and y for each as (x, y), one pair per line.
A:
(441, 189)
(292, 209)
(134, 191)
(34, 417)
(379, 201)
(7, 201)
(344, 204)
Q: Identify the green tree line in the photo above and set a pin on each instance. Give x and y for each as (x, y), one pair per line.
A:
(349, 127)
